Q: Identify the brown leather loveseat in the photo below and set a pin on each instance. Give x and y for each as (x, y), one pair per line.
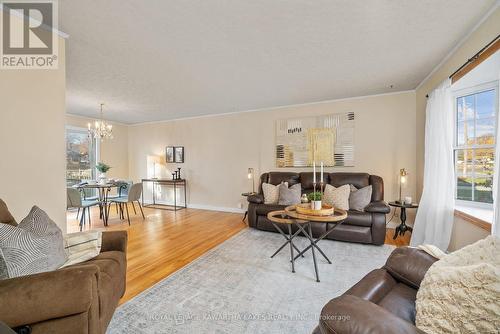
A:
(364, 227)
(383, 301)
(77, 299)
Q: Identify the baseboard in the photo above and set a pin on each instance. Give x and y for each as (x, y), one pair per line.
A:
(207, 207)
(215, 208)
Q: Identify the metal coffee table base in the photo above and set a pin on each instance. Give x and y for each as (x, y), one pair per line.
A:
(312, 246)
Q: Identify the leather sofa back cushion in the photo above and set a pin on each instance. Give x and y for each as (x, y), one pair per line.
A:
(359, 180)
(34, 246)
(277, 177)
(306, 179)
(5, 216)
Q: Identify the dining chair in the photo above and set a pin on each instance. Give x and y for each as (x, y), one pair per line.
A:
(74, 200)
(122, 191)
(134, 195)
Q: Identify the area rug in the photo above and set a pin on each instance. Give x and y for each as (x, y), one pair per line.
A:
(237, 288)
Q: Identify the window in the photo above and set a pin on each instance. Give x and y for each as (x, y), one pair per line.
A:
(474, 150)
(81, 156)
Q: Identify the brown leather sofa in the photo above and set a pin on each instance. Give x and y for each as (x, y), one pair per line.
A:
(383, 301)
(77, 299)
(364, 227)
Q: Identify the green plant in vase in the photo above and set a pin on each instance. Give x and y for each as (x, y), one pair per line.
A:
(315, 199)
(103, 169)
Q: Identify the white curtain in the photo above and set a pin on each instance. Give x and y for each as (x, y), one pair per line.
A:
(495, 229)
(435, 214)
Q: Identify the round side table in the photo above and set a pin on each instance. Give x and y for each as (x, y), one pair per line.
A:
(402, 228)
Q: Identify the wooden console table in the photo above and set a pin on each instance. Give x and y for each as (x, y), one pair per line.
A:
(176, 184)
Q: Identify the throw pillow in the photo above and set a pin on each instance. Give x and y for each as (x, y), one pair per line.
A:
(289, 196)
(460, 292)
(360, 198)
(34, 246)
(271, 192)
(337, 197)
(82, 246)
(5, 216)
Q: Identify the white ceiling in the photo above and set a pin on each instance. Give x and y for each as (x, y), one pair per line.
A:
(163, 59)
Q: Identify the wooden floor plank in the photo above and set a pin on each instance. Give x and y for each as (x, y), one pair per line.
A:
(166, 241)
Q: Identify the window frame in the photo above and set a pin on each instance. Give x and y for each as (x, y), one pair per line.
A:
(96, 144)
(476, 89)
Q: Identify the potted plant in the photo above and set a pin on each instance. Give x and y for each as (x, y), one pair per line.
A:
(102, 168)
(315, 198)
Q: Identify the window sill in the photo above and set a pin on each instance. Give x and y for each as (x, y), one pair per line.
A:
(477, 216)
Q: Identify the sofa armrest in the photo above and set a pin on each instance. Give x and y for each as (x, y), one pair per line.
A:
(378, 207)
(409, 265)
(256, 198)
(114, 241)
(34, 298)
(351, 314)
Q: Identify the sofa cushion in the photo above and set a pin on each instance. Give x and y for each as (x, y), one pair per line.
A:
(289, 196)
(374, 286)
(400, 301)
(271, 193)
(358, 218)
(277, 177)
(5, 215)
(337, 197)
(359, 180)
(34, 246)
(360, 198)
(351, 233)
(264, 209)
(306, 179)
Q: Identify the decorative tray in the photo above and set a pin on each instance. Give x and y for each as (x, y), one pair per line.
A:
(305, 209)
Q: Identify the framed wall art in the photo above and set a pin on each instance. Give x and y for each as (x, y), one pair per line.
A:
(326, 138)
(169, 154)
(179, 154)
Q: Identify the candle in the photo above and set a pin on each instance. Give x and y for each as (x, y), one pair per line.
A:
(321, 179)
(314, 172)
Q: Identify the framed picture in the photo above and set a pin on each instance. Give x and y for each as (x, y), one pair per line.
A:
(169, 154)
(179, 154)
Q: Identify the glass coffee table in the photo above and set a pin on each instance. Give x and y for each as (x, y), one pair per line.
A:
(290, 217)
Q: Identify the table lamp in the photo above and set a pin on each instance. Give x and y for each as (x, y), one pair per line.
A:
(402, 180)
(250, 176)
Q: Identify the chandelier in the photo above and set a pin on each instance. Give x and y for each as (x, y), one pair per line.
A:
(100, 129)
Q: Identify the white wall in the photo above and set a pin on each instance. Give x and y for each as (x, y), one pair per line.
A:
(219, 149)
(33, 164)
(465, 233)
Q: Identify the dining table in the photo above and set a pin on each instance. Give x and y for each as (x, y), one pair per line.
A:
(103, 190)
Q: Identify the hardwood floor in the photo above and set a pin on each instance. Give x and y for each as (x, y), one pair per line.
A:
(166, 241)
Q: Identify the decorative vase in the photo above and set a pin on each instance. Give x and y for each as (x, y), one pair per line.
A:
(304, 198)
(103, 179)
(316, 205)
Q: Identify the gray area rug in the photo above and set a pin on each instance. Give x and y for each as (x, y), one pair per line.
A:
(237, 288)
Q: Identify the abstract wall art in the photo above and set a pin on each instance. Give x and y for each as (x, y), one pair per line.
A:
(327, 138)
